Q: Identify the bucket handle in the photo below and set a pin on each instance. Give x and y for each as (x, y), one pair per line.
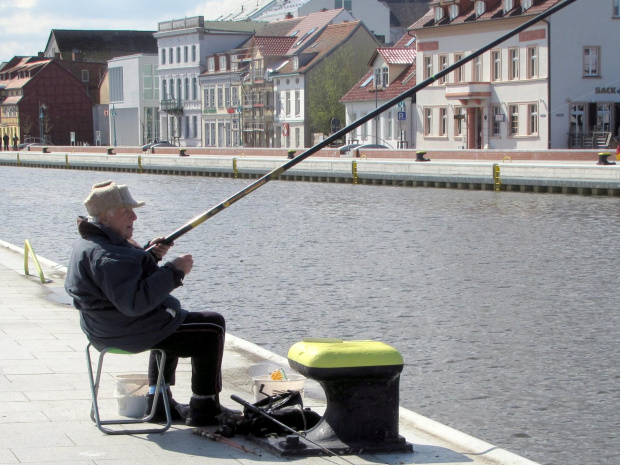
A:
(129, 394)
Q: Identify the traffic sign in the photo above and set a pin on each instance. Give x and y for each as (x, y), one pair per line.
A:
(402, 116)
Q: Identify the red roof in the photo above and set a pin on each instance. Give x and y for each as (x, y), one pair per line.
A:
(273, 46)
(397, 56)
(494, 11)
(364, 93)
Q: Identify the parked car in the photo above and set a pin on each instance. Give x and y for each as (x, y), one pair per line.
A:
(345, 148)
(161, 143)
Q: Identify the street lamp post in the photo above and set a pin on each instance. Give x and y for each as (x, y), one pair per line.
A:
(377, 76)
(42, 107)
(113, 113)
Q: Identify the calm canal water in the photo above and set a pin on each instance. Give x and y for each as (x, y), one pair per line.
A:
(504, 305)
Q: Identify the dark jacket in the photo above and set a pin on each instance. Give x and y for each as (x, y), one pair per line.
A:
(122, 294)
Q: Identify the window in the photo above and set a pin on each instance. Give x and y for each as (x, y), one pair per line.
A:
(194, 88)
(297, 137)
(147, 82)
(116, 84)
(498, 117)
(212, 97)
(227, 96)
(235, 96)
(533, 119)
(178, 54)
(532, 62)
(603, 117)
(388, 125)
(590, 61)
(220, 97)
(458, 74)
(185, 54)
(193, 53)
(211, 64)
(616, 8)
(526, 5)
(194, 126)
(496, 58)
(438, 13)
(163, 56)
(443, 121)
(85, 75)
(428, 66)
(297, 103)
(207, 135)
(223, 63)
(179, 94)
(428, 121)
(288, 103)
(234, 62)
(278, 108)
(164, 90)
(459, 116)
(385, 74)
(170, 55)
(513, 53)
(480, 8)
(295, 62)
(443, 64)
(513, 110)
(454, 12)
(186, 88)
(477, 77)
(172, 88)
(508, 5)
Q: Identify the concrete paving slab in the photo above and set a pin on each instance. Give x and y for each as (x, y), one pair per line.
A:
(45, 397)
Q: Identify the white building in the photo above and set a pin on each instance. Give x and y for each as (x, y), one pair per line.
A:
(529, 93)
(183, 46)
(392, 72)
(134, 99)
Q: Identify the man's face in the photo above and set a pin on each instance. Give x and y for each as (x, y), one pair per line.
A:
(121, 221)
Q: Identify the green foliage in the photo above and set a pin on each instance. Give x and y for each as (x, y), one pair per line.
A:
(330, 81)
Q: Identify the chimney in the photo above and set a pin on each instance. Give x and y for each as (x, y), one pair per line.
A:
(40, 54)
(76, 55)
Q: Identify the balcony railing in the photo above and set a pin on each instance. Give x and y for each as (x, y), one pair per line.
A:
(172, 105)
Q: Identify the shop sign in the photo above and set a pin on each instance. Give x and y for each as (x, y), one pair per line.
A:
(607, 90)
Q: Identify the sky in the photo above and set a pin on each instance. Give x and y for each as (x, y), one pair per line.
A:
(25, 25)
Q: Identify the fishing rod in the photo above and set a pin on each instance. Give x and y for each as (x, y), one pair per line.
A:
(354, 125)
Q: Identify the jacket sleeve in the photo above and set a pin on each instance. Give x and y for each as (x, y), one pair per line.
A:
(132, 284)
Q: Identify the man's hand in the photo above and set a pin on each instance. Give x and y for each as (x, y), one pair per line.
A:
(160, 249)
(184, 263)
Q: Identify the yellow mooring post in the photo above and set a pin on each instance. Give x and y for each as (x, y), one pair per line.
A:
(235, 172)
(354, 171)
(497, 180)
(29, 250)
(139, 163)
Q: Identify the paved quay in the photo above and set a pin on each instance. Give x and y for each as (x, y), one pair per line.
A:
(565, 176)
(45, 396)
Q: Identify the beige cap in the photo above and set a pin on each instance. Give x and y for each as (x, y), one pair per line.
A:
(109, 195)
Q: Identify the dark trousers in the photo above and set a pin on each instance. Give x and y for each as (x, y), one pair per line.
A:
(200, 337)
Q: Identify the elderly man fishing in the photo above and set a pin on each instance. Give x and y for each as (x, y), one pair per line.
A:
(124, 300)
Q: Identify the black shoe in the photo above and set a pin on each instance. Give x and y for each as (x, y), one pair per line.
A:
(206, 412)
(177, 411)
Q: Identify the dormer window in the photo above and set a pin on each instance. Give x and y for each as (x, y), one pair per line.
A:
(211, 64)
(223, 63)
(438, 14)
(295, 62)
(481, 7)
(454, 12)
(526, 5)
(508, 6)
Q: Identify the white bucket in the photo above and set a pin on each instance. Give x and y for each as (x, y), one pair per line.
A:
(130, 394)
(277, 386)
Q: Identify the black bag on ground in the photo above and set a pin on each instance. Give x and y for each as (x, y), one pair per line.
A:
(287, 408)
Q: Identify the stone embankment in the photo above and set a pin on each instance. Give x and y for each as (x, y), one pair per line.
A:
(568, 172)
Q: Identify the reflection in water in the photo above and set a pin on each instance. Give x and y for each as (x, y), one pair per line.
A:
(503, 304)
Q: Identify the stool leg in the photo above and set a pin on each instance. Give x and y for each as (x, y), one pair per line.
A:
(94, 389)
